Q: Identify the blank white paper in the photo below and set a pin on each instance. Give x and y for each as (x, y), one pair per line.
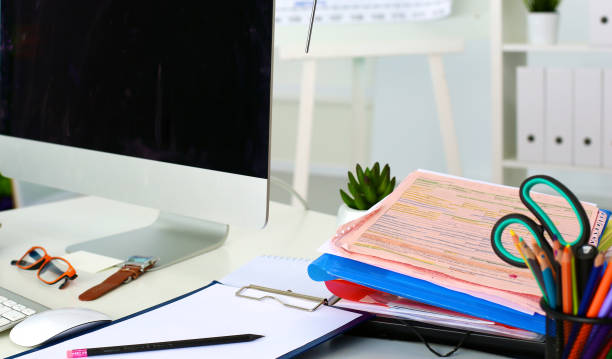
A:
(215, 311)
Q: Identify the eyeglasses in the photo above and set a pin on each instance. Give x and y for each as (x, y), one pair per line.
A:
(50, 269)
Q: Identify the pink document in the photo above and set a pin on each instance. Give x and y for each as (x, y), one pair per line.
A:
(437, 228)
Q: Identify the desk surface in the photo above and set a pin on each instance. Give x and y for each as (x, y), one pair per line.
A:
(291, 232)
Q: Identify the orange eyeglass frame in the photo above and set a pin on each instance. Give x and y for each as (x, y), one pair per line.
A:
(40, 263)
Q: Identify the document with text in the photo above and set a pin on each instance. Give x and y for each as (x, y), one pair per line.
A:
(437, 228)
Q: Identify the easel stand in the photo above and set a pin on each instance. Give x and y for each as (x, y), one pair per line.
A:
(359, 53)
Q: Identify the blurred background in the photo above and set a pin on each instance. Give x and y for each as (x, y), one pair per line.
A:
(398, 119)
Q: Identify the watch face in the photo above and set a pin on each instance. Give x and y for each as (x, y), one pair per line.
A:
(139, 260)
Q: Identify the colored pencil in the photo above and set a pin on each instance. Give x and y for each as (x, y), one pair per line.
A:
(586, 299)
(556, 246)
(556, 262)
(599, 334)
(606, 240)
(566, 283)
(606, 353)
(517, 244)
(596, 304)
(534, 267)
(549, 281)
(574, 286)
(538, 251)
(592, 284)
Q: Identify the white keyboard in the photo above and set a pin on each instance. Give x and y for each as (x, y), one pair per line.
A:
(15, 308)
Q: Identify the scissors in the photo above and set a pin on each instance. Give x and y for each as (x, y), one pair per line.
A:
(545, 223)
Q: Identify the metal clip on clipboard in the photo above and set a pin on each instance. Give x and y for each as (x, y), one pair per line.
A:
(285, 297)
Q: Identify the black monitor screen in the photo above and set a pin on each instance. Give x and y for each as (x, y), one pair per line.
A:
(185, 82)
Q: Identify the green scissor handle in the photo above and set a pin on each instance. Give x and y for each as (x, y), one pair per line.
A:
(546, 223)
(498, 230)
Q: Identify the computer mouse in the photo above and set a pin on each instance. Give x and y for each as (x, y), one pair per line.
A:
(55, 324)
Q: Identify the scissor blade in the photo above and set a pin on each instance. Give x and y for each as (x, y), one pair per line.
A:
(312, 17)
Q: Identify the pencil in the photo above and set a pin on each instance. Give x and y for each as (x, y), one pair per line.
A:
(600, 332)
(574, 284)
(556, 262)
(538, 250)
(566, 283)
(533, 266)
(586, 298)
(145, 347)
(556, 246)
(549, 282)
(596, 303)
(606, 353)
(517, 244)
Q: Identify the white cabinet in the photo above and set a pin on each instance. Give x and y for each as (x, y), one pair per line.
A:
(509, 51)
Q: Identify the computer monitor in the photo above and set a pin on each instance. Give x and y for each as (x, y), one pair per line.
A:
(159, 103)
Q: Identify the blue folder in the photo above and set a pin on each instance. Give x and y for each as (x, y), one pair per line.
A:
(330, 267)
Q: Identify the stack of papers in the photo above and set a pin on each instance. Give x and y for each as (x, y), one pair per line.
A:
(437, 228)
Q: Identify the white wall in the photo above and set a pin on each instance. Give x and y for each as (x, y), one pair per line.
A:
(404, 128)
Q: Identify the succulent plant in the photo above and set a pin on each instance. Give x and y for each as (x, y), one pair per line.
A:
(5, 187)
(542, 5)
(369, 187)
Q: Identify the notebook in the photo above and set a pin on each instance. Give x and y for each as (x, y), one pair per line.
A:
(216, 310)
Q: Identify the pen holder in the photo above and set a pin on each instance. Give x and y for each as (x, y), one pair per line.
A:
(559, 328)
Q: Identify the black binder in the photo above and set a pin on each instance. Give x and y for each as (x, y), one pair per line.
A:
(403, 329)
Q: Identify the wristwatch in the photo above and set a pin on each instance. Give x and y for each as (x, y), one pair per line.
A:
(131, 269)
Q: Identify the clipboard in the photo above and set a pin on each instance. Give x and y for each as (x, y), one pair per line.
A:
(216, 310)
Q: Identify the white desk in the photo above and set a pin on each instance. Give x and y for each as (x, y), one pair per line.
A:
(291, 232)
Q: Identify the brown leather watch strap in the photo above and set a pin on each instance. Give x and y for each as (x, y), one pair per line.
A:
(126, 273)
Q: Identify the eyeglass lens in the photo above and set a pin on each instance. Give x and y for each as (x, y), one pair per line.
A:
(53, 269)
(32, 257)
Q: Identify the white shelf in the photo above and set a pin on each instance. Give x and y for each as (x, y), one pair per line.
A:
(568, 48)
(512, 163)
(327, 50)
(508, 20)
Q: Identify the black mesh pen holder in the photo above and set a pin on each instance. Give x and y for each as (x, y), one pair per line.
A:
(559, 326)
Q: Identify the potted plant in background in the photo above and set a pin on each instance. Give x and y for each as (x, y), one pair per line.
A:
(542, 21)
(367, 187)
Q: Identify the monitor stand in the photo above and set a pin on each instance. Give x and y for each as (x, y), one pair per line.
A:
(171, 238)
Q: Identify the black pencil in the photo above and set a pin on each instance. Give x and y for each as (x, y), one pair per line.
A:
(122, 349)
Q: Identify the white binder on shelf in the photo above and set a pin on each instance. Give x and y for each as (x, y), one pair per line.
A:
(607, 118)
(530, 113)
(559, 108)
(588, 117)
(600, 22)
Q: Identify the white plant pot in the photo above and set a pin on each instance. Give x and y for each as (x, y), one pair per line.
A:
(347, 214)
(543, 27)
